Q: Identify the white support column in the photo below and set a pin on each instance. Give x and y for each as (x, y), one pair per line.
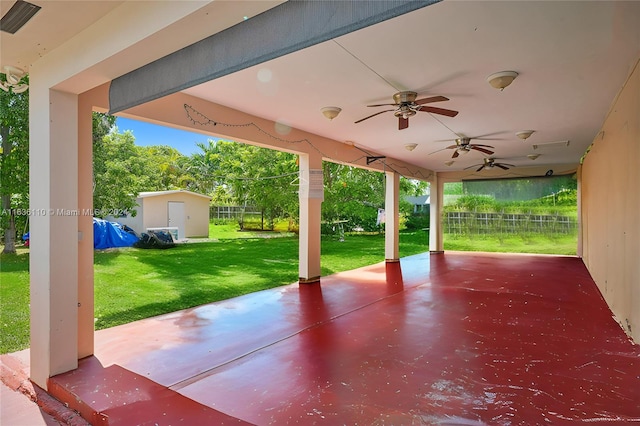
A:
(391, 207)
(53, 127)
(435, 215)
(85, 230)
(311, 195)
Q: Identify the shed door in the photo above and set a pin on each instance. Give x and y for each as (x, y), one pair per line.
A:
(177, 217)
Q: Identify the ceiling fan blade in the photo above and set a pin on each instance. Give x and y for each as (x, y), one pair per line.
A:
(455, 154)
(372, 115)
(377, 105)
(452, 147)
(431, 99)
(502, 166)
(437, 151)
(441, 111)
(403, 123)
(480, 168)
(486, 151)
(484, 137)
(479, 144)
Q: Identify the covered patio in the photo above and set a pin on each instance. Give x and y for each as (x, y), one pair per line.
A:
(449, 338)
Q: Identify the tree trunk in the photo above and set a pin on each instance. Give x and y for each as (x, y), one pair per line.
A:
(10, 230)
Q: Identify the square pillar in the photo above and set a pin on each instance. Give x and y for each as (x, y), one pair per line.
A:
(311, 195)
(436, 244)
(392, 221)
(53, 260)
(86, 311)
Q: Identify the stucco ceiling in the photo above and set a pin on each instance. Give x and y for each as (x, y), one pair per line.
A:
(572, 58)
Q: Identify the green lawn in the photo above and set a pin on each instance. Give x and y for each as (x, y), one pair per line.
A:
(132, 284)
(530, 243)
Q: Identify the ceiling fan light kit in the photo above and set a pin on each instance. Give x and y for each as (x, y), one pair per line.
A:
(500, 80)
(464, 145)
(406, 105)
(525, 134)
(490, 163)
(330, 112)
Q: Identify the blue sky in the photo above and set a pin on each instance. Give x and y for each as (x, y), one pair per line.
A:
(151, 134)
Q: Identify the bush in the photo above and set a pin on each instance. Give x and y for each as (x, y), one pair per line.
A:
(416, 222)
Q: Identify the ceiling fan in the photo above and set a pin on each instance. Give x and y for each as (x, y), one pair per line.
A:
(406, 106)
(491, 163)
(464, 145)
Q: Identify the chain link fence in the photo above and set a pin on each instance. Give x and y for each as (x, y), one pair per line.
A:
(479, 223)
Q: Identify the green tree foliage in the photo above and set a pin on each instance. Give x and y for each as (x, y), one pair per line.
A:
(121, 170)
(168, 166)
(355, 195)
(14, 163)
(244, 175)
(352, 194)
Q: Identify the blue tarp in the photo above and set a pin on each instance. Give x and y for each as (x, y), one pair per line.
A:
(111, 234)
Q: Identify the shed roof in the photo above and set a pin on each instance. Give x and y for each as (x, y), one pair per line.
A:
(174, 191)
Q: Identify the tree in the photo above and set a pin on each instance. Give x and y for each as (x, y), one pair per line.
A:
(120, 172)
(168, 166)
(121, 169)
(352, 194)
(249, 175)
(14, 163)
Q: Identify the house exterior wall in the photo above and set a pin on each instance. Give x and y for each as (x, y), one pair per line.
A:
(610, 207)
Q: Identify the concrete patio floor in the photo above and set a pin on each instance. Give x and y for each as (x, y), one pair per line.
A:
(455, 338)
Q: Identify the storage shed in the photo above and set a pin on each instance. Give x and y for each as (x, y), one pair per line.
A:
(184, 213)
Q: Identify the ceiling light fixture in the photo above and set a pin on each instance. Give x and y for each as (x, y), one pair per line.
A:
(448, 163)
(14, 75)
(330, 112)
(525, 134)
(532, 156)
(502, 79)
(410, 146)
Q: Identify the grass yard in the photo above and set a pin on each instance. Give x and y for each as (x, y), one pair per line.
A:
(14, 301)
(132, 284)
(565, 244)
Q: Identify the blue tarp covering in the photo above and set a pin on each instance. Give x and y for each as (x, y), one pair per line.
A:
(110, 234)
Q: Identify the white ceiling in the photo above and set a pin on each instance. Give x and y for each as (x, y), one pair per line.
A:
(572, 58)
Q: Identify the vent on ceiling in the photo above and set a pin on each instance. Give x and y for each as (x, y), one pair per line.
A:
(558, 144)
(17, 16)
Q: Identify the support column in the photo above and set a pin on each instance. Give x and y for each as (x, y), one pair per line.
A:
(53, 264)
(85, 230)
(580, 242)
(391, 210)
(311, 195)
(436, 244)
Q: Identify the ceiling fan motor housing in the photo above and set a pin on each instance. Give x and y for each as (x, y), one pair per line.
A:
(405, 97)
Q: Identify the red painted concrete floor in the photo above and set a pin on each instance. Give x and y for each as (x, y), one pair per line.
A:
(452, 339)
